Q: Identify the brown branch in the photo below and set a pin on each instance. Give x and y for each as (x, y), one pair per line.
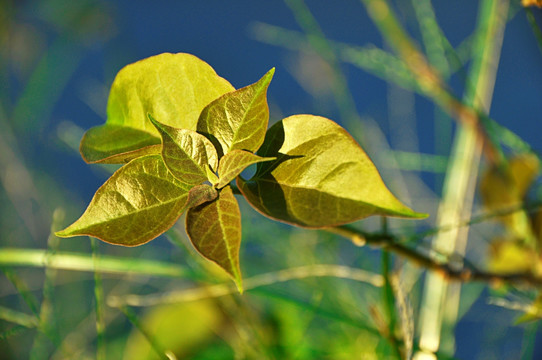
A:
(449, 270)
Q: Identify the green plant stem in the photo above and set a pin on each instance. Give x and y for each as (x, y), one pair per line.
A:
(428, 79)
(83, 262)
(440, 302)
(389, 301)
(98, 304)
(19, 318)
(47, 319)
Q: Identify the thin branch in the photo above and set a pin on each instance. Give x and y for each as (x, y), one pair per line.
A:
(447, 269)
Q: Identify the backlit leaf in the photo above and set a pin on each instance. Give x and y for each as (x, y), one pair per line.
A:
(173, 87)
(114, 144)
(136, 204)
(215, 231)
(186, 153)
(321, 177)
(238, 120)
(233, 163)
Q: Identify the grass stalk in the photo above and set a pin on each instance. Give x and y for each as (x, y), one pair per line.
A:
(19, 318)
(83, 262)
(440, 300)
(98, 305)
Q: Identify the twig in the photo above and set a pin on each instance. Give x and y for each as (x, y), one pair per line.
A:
(447, 269)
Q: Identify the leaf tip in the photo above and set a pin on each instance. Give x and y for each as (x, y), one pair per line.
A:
(65, 233)
(268, 76)
(239, 283)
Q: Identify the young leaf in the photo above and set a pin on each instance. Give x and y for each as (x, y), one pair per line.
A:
(137, 203)
(238, 120)
(215, 230)
(200, 194)
(114, 144)
(233, 163)
(186, 153)
(173, 87)
(321, 177)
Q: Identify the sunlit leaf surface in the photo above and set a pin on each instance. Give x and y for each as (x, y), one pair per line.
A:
(140, 201)
(233, 163)
(173, 87)
(186, 153)
(238, 120)
(321, 177)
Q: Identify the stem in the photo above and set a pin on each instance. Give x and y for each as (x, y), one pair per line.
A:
(389, 301)
(83, 262)
(441, 301)
(98, 305)
(448, 270)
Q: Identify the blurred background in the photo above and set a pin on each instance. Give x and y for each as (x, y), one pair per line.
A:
(58, 59)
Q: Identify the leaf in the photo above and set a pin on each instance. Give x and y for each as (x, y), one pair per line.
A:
(505, 188)
(136, 204)
(508, 256)
(173, 87)
(186, 153)
(113, 144)
(321, 177)
(238, 120)
(233, 163)
(215, 231)
(201, 194)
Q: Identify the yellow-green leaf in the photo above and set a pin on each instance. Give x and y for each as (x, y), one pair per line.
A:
(504, 188)
(215, 231)
(186, 153)
(238, 120)
(114, 144)
(511, 256)
(173, 87)
(136, 204)
(321, 177)
(233, 163)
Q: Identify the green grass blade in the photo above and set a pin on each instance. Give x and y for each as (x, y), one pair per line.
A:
(83, 262)
(22, 289)
(432, 36)
(47, 317)
(18, 317)
(98, 304)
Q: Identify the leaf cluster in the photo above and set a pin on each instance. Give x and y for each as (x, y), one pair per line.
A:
(184, 134)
